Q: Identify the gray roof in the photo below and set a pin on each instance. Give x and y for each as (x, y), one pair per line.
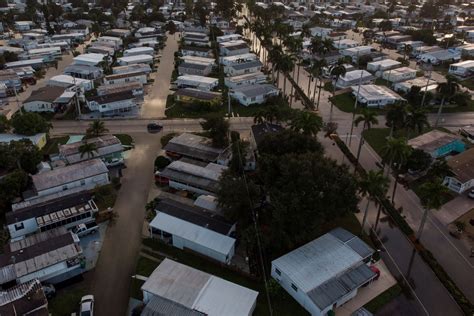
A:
(159, 306)
(198, 94)
(193, 66)
(250, 64)
(328, 293)
(206, 178)
(323, 259)
(68, 174)
(432, 140)
(23, 299)
(106, 145)
(194, 146)
(255, 90)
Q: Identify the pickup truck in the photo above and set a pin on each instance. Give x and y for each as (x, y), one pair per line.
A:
(85, 229)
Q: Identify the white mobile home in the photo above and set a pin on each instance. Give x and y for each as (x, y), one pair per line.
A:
(114, 104)
(356, 52)
(66, 81)
(374, 96)
(193, 228)
(197, 82)
(254, 94)
(379, 66)
(330, 262)
(182, 290)
(116, 41)
(90, 59)
(139, 51)
(354, 77)
(85, 175)
(233, 48)
(246, 67)
(135, 59)
(399, 74)
(422, 82)
(463, 68)
(245, 80)
(126, 78)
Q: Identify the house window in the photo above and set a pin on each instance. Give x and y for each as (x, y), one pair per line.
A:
(19, 226)
(277, 271)
(64, 187)
(83, 182)
(294, 287)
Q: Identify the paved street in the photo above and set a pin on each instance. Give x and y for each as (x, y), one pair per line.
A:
(116, 264)
(155, 101)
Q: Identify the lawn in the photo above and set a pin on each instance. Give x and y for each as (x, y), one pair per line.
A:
(52, 146)
(67, 300)
(468, 83)
(179, 110)
(345, 102)
(125, 139)
(384, 298)
(144, 267)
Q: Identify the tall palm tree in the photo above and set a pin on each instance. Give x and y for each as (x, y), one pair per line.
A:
(337, 71)
(396, 151)
(316, 71)
(445, 90)
(274, 56)
(373, 185)
(431, 196)
(285, 65)
(88, 149)
(96, 128)
(416, 119)
(369, 118)
(395, 117)
(307, 123)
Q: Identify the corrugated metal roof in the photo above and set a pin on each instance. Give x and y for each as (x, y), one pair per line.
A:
(198, 290)
(320, 260)
(328, 293)
(160, 306)
(197, 234)
(194, 146)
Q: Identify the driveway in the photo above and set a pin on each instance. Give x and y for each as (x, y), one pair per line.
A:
(155, 101)
(454, 209)
(111, 277)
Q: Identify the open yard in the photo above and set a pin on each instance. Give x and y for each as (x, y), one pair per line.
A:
(345, 102)
(386, 297)
(67, 300)
(52, 146)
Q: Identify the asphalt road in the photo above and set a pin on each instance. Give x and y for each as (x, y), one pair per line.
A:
(112, 275)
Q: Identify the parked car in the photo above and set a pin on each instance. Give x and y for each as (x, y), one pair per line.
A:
(85, 229)
(49, 291)
(154, 128)
(87, 306)
(471, 194)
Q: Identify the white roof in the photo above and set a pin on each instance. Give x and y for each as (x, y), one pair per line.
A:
(385, 63)
(208, 202)
(211, 171)
(400, 71)
(142, 57)
(110, 38)
(200, 235)
(139, 50)
(465, 63)
(358, 49)
(69, 79)
(317, 262)
(90, 57)
(371, 92)
(195, 78)
(355, 75)
(199, 291)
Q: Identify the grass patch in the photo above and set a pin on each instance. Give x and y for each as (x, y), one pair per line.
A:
(125, 139)
(145, 266)
(52, 146)
(135, 289)
(449, 108)
(284, 305)
(105, 196)
(382, 82)
(345, 102)
(67, 301)
(383, 299)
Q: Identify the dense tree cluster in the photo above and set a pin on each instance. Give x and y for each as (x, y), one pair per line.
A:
(30, 124)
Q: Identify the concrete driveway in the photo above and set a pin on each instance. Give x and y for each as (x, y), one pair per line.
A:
(454, 209)
(111, 277)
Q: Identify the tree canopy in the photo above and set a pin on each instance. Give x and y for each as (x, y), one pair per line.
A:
(22, 154)
(30, 124)
(218, 129)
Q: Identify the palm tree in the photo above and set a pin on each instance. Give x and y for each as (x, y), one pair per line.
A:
(407, 50)
(395, 117)
(369, 118)
(307, 123)
(416, 119)
(396, 151)
(285, 65)
(373, 185)
(96, 128)
(274, 56)
(337, 71)
(88, 149)
(316, 71)
(445, 90)
(431, 196)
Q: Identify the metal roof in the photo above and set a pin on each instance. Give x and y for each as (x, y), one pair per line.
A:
(63, 175)
(105, 145)
(194, 146)
(250, 64)
(320, 260)
(159, 306)
(24, 299)
(432, 140)
(462, 165)
(371, 92)
(199, 291)
(331, 291)
(255, 90)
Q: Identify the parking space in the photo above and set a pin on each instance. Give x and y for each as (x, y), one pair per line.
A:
(91, 245)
